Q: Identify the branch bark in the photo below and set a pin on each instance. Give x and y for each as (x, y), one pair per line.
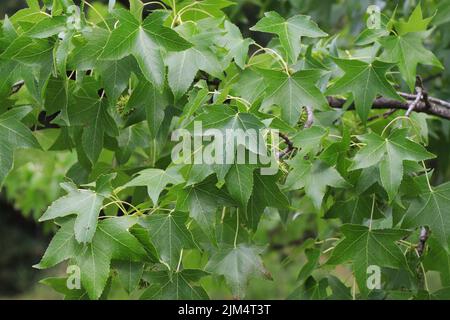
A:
(437, 107)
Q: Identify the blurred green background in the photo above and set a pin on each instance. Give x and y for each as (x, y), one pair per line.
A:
(34, 184)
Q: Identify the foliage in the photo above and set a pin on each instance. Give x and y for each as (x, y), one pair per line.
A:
(109, 86)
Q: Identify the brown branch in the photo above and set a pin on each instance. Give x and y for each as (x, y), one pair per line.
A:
(384, 115)
(422, 240)
(17, 86)
(310, 120)
(290, 145)
(437, 109)
(431, 100)
(413, 104)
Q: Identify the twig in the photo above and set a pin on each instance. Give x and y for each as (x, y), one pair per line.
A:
(17, 86)
(422, 240)
(310, 120)
(413, 104)
(439, 110)
(290, 146)
(431, 100)
(384, 115)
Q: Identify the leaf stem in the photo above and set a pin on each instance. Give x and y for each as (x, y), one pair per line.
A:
(98, 14)
(179, 261)
(237, 228)
(276, 54)
(426, 175)
(371, 212)
(155, 2)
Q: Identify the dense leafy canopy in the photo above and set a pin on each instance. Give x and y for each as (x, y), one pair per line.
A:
(106, 88)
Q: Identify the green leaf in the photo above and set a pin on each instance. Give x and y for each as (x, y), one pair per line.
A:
(236, 45)
(292, 92)
(115, 75)
(47, 27)
(250, 85)
(175, 286)
(13, 135)
(144, 41)
(205, 8)
(129, 274)
(365, 247)
(289, 31)
(111, 241)
(239, 182)
(169, 235)
(313, 256)
(85, 55)
(407, 52)
(266, 193)
(156, 181)
(94, 264)
(365, 81)
(224, 118)
(309, 139)
(62, 247)
(87, 109)
(416, 22)
(60, 285)
(438, 259)
(310, 290)
(431, 209)
(86, 204)
(314, 177)
(238, 265)
(354, 209)
(389, 154)
(202, 201)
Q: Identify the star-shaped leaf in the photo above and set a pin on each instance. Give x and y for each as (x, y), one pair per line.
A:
(86, 204)
(236, 45)
(292, 92)
(266, 193)
(62, 247)
(239, 182)
(111, 241)
(389, 154)
(365, 247)
(202, 200)
(431, 208)
(225, 119)
(184, 65)
(365, 81)
(169, 235)
(144, 41)
(416, 22)
(13, 134)
(87, 109)
(289, 31)
(156, 181)
(354, 209)
(176, 286)
(314, 176)
(238, 265)
(407, 52)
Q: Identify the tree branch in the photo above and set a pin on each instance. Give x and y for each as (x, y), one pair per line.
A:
(437, 107)
(310, 120)
(413, 104)
(422, 240)
(290, 146)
